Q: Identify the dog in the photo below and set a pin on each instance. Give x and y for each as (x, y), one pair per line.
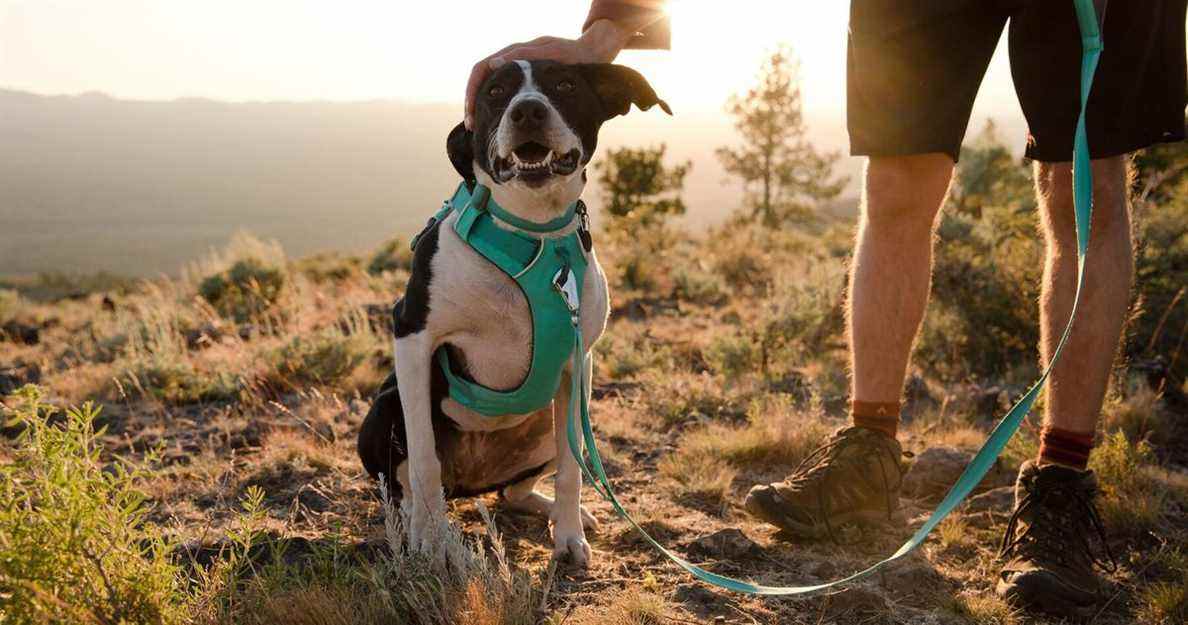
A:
(535, 129)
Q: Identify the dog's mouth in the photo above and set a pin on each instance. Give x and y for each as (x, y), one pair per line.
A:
(534, 163)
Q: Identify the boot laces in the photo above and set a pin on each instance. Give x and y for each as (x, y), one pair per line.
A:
(1052, 528)
(817, 471)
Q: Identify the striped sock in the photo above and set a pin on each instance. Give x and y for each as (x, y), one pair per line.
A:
(878, 416)
(1065, 447)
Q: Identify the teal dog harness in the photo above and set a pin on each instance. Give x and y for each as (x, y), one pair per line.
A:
(549, 271)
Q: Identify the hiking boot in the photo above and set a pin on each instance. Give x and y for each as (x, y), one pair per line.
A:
(854, 478)
(1049, 561)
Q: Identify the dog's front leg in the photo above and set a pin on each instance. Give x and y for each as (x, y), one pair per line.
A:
(414, 357)
(569, 538)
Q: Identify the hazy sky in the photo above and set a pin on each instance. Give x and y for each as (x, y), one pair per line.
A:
(402, 49)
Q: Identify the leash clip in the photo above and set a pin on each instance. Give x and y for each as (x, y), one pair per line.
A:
(566, 286)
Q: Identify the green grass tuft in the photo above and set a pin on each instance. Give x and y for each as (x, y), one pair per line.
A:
(76, 545)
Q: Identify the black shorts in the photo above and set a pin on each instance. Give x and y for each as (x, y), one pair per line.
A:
(914, 68)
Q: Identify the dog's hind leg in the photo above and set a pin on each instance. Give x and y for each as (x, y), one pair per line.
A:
(522, 497)
(382, 443)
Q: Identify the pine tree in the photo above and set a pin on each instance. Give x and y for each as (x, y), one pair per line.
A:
(783, 174)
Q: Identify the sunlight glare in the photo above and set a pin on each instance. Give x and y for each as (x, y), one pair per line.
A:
(716, 52)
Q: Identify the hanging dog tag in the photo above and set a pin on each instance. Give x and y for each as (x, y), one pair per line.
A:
(566, 285)
(584, 227)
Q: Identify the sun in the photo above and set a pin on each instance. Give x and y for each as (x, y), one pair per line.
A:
(716, 52)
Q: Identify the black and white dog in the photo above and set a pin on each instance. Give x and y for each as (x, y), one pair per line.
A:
(536, 126)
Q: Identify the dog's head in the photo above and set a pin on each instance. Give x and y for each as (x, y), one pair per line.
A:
(536, 125)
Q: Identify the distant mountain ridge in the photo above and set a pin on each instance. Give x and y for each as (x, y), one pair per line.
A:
(90, 182)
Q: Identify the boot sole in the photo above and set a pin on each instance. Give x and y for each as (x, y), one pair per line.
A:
(766, 507)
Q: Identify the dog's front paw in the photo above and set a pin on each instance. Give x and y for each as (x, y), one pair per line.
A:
(426, 531)
(571, 547)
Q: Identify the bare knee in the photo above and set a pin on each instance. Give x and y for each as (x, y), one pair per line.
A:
(906, 191)
(1111, 217)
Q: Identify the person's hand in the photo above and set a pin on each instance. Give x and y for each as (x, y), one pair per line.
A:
(601, 43)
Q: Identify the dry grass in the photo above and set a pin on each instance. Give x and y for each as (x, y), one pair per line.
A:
(265, 408)
(631, 607)
(698, 477)
(985, 609)
(774, 434)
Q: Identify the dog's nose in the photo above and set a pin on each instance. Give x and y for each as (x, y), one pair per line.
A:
(529, 114)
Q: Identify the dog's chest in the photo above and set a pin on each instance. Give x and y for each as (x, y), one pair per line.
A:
(490, 325)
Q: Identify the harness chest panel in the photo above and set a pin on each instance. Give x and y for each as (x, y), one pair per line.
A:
(537, 265)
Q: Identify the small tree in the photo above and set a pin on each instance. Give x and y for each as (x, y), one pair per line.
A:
(640, 189)
(642, 193)
(782, 172)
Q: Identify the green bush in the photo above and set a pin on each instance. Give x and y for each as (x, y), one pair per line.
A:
(733, 355)
(743, 266)
(637, 270)
(329, 267)
(693, 285)
(1135, 500)
(1160, 318)
(324, 357)
(625, 355)
(391, 256)
(177, 382)
(75, 546)
(245, 290)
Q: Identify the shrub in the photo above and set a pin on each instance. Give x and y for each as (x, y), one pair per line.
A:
(733, 355)
(696, 286)
(797, 318)
(622, 355)
(1134, 501)
(324, 357)
(245, 290)
(329, 267)
(637, 270)
(742, 266)
(1160, 317)
(391, 256)
(243, 280)
(76, 546)
(679, 398)
(177, 382)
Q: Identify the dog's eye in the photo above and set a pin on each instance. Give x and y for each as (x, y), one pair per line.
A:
(565, 86)
(496, 91)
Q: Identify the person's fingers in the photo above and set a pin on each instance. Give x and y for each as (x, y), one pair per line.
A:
(549, 51)
(478, 74)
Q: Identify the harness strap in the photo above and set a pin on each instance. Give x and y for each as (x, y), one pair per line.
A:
(579, 407)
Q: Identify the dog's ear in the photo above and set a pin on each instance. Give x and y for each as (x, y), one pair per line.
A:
(460, 147)
(618, 87)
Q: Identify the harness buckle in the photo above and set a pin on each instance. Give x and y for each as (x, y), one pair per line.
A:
(566, 286)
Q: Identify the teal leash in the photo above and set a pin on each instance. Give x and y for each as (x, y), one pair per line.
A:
(579, 405)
